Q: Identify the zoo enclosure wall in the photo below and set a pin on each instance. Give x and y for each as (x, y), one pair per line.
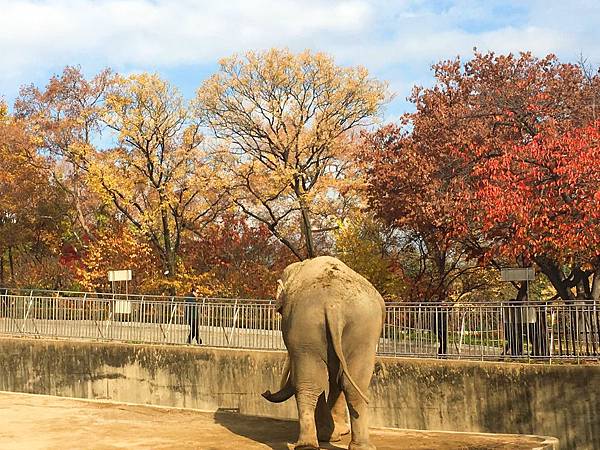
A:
(559, 400)
(532, 331)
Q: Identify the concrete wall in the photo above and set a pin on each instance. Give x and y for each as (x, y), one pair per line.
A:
(557, 400)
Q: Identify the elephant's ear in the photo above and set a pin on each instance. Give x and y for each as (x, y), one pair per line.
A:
(279, 297)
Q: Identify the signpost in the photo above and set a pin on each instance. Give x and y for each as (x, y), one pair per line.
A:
(119, 276)
(525, 274)
(518, 274)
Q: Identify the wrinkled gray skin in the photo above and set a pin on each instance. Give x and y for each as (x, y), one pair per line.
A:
(331, 322)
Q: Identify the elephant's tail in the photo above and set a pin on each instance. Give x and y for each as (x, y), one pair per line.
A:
(335, 330)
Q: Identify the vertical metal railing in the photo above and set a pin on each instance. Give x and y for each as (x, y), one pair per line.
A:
(494, 331)
(484, 331)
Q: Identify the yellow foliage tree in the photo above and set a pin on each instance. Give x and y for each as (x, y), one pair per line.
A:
(286, 120)
(116, 247)
(361, 243)
(159, 178)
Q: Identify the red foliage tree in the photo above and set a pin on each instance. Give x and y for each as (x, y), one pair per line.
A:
(246, 259)
(413, 189)
(431, 178)
(541, 200)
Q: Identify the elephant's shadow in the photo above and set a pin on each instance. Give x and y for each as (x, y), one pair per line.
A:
(274, 433)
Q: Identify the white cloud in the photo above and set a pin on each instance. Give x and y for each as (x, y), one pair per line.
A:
(397, 40)
(162, 32)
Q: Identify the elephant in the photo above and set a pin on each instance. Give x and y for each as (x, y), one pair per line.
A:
(332, 320)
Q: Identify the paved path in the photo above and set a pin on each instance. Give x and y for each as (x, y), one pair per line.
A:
(213, 336)
(144, 332)
(42, 422)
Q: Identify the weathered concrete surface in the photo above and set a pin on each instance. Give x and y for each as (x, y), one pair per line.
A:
(180, 376)
(555, 400)
(562, 401)
(66, 423)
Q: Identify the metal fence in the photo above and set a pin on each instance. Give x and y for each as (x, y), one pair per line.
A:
(485, 331)
(494, 331)
(220, 323)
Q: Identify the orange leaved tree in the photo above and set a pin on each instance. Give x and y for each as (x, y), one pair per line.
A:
(447, 171)
(285, 121)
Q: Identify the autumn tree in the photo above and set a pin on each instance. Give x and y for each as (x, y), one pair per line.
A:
(32, 211)
(541, 200)
(463, 128)
(368, 246)
(65, 118)
(286, 120)
(159, 177)
(245, 258)
(117, 246)
(410, 189)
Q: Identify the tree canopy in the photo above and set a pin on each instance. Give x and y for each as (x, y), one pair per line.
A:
(286, 121)
(283, 156)
(496, 166)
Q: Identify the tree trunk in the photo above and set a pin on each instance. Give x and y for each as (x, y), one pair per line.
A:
(307, 232)
(306, 225)
(78, 207)
(556, 277)
(169, 252)
(582, 284)
(11, 265)
(522, 292)
(170, 265)
(440, 265)
(1, 270)
(438, 256)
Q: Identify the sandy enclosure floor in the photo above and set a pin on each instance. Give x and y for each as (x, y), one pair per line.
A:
(44, 422)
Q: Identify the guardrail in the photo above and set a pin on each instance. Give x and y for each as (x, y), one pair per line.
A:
(494, 331)
(235, 323)
(26, 292)
(485, 331)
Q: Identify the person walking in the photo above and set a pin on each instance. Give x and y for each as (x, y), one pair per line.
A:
(513, 328)
(440, 325)
(191, 316)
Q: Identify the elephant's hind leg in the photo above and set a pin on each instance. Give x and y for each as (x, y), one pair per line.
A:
(310, 378)
(360, 365)
(339, 411)
(325, 423)
(332, 421)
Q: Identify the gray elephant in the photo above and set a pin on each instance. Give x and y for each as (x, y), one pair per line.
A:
(332, 319)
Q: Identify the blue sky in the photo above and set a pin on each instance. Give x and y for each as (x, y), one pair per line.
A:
(183, 40)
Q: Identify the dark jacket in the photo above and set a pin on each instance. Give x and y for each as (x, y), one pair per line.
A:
(191, 311)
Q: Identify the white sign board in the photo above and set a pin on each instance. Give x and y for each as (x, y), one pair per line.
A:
(119, 275)
(122, 307)
(518, 274)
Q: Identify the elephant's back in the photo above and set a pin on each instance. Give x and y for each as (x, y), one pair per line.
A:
(314, 290)
(326, 279)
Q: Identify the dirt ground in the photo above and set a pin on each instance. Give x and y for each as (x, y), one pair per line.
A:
(44, 422)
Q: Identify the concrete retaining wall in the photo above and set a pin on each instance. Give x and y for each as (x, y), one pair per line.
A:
(557, 400)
